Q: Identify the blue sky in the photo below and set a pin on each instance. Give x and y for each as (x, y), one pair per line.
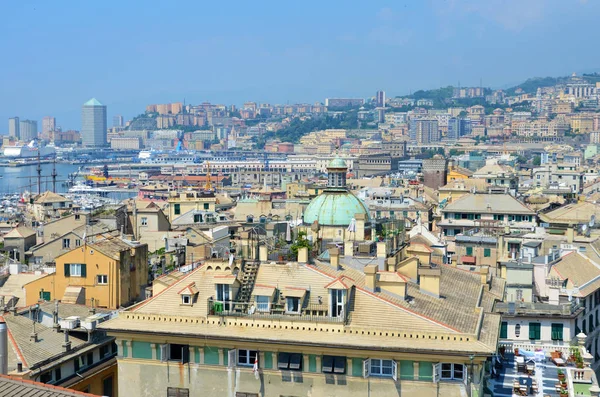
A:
(58, 54)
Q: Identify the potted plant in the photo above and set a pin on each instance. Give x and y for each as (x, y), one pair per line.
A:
(561, 375)
(517, 351)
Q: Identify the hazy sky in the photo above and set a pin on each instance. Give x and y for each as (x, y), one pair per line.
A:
(58, 54)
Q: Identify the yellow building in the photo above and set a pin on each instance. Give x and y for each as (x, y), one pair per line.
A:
(322, 329)
(582, 123)
(185, 201)
(108, 273)
(456, 172)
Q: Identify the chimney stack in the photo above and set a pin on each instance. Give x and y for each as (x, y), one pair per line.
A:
(263, 253)
(67, 343)
(371, 276)
(55, 315)
(19, 366)
(334, 257)
(3, 347)
(484, 274)
(429, 280)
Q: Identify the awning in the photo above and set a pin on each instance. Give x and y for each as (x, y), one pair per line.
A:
(295, 360)
(293, 292)
(74, 295)
(468, 259)
(283, 361)
(327, 363)
(263, 290)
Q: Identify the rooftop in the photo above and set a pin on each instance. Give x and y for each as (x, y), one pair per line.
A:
(93, 102)
(488, 203)
(10, 387)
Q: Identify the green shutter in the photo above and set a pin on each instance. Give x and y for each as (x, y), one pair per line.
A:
(407, 370)
(312, 363)
(83, 270)
(557, 332)
(535, 331)
(487, 252)
(211, 355)
(357, 367)
(268, 360)
(504, 330)
(469, 251)
(67, 270)
(141, 350)
(425, 371)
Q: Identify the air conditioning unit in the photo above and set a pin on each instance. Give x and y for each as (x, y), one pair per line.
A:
(91, 322)
(71, 322)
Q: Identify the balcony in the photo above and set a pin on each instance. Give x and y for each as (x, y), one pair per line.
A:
(275, 311)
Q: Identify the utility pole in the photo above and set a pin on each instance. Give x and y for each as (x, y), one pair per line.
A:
(54, 175)
(39, 173)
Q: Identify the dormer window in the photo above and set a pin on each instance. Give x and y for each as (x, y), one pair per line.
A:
(293, 299)
(338, 299)
(189, 294)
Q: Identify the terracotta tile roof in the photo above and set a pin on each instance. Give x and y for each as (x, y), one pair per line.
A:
(11, 387)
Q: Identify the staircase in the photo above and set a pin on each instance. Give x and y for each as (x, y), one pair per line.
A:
(247, 280)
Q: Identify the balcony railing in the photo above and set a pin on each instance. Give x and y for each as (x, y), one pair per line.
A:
(532, 308)
(273, 311)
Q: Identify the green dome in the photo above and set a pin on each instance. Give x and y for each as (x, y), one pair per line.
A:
(333, 208)
(337, 163)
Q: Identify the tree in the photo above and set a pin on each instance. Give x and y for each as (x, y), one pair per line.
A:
(537, 160)
(301, 242)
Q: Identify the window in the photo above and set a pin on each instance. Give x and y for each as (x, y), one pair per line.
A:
(75, 270)
(104, 351)
(206, 206)
(246, 357)
(175, 352)
(101, 279)
(107, 387)
(186, 299)
(292, 304)
(46, 377)
(337, 302)
(77, 217)
(144, 221)
(334, 365)
(90, 359)
(519, 294)
(77, 242)
(45, 295)
(223, 295)
(557, 331)
(177, 209)
(66, 243)
(469, 251)
(535, 330)
(451, 371)
(291, 361)
(504, 330)
(378, 367)
(517, 330)
(262, 303)
(487, 252)
(197, 218)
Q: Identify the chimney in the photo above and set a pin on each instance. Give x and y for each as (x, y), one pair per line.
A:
(303, 255)
(484, 274)
(371, 276)
(67, 343)
(429, 280)
(263, 253)
(360, 227)
(3, 347)
(381, 249)
(570, 234)
(348, 248)
(33, 337)
(334, 257)
(19, 366)
(55, 315)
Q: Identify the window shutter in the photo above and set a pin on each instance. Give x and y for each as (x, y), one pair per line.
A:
(67, 270)
(163, 353)
(366, 367)
(83, 270)
(231, 358)
(437, 370)
(394, 370)
(185, 354)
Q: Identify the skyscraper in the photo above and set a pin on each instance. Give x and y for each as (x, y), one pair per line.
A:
(380, 99)
(118, 121)
(13, 127)
(48, 124)
(425, 130)
(93, 124)
(28, 130)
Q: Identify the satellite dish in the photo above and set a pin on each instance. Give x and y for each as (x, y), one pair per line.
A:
(592, 220)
